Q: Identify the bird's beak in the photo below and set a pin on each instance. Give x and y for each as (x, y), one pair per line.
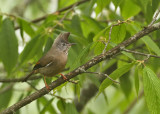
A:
(70, 44)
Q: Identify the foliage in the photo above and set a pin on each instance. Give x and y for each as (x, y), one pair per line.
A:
(91, 24)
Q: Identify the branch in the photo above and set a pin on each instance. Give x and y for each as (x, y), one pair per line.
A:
(56, 12)
(5, 80)
(103, 75)
(82, 68)
(61, 20)
(139, 53)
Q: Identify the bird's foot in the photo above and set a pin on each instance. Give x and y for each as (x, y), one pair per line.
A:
(64, 77)
(47, 87)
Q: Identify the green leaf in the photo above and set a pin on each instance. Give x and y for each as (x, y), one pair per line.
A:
(46, 107)
(101, 34)
(151, 90)
(151, 44)
(100, 5)
(70, 109)
(98, 45)
(117, 3)
(133, 28)
(1, 17)
(8, 45)
(149, 13)
(61, 105)
(122, 62)
(38, 105)
(87, 10)
(64, 3)
(90, 26)
(48, 45)
(94, 26)
(118, 33)
(90, 111)
(49, 20)
(136, 79)
(109, 64)
(151, 8)
(66, 108)
(129, 55)
(5, 97)
(81, 58)
(75, 26)
(105, 96)
(154, 3)
(114, 75)
(26, 26)
(125, 84)
(32, 48)
(58, 88)
(98, 48)
(144, 4)
(77, 89)
(133, 9)
(20, 98)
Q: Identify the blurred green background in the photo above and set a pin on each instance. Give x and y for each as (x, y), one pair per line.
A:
(24, 39)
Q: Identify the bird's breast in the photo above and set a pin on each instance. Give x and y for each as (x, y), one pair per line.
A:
(57, 66)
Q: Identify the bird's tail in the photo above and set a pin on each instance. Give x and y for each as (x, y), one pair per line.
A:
(29, 75)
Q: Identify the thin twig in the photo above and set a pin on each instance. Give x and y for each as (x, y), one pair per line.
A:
(154, 18)
(123, 60)
(110, 32)
(32, 86)
(147, 58)
(142, 45)
(65, 15)
(139, 53)
(8, 15)
(59, 97)
(5, 80)
(103, 75)
(56, 12)
(106, 44)
(101, 21)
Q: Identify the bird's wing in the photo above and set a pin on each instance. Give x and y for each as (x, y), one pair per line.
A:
(45, 61)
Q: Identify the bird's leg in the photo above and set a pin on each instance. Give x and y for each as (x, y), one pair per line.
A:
(65, 78)
(48, 88)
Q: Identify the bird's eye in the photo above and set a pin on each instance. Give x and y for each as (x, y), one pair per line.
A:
(63, 44)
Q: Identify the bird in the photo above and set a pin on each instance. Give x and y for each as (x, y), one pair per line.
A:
(54, 61)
